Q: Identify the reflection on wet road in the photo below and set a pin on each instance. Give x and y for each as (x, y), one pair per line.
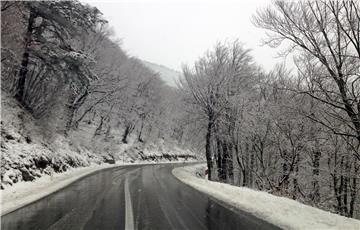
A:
(140, 197)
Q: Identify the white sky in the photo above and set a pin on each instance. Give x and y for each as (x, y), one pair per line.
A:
(176, 32)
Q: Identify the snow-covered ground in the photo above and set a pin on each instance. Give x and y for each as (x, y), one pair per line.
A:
(280, 211)
(28, 151)
(158, 151)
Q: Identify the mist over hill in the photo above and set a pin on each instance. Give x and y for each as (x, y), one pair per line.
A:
(170, 76)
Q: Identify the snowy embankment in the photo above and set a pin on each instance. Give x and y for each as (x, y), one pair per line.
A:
(31, 149)
(280, 211)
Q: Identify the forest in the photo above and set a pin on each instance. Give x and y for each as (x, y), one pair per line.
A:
(291, 131)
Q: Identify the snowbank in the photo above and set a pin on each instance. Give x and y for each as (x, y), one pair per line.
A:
(280, 211)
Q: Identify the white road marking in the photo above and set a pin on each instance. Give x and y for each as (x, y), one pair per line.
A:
(129, 217)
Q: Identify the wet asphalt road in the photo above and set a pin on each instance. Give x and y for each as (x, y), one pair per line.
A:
(130, 197)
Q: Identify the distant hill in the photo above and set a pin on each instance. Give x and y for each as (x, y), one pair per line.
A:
(170, 76)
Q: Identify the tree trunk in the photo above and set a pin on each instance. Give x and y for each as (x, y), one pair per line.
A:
(99, 128)
(25, 58)
(224, 161)
(219, 159)
(74, 106)
(140, 132)
(208, 140)
(230, 164)
(108, 132)
(242, 179)
(335, 185)
(252, 168)
(353, 189)
(316, 172)
(284, 184)
(126, 133)
(342, 187)
(69, 110)
(295, 180)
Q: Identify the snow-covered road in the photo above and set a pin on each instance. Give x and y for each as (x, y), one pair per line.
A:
(139, 197)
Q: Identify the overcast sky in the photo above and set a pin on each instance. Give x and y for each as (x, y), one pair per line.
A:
(176, 32)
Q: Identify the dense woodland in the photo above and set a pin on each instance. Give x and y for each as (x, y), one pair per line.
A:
(293, 131)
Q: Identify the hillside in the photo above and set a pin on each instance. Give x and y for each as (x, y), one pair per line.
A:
(30, 151)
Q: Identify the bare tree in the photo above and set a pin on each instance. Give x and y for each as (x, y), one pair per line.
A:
(215, 80)
(327, 32)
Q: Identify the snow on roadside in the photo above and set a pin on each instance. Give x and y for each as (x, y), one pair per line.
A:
(280, 211)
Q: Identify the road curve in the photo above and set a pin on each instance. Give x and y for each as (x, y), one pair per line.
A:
(130, 197)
